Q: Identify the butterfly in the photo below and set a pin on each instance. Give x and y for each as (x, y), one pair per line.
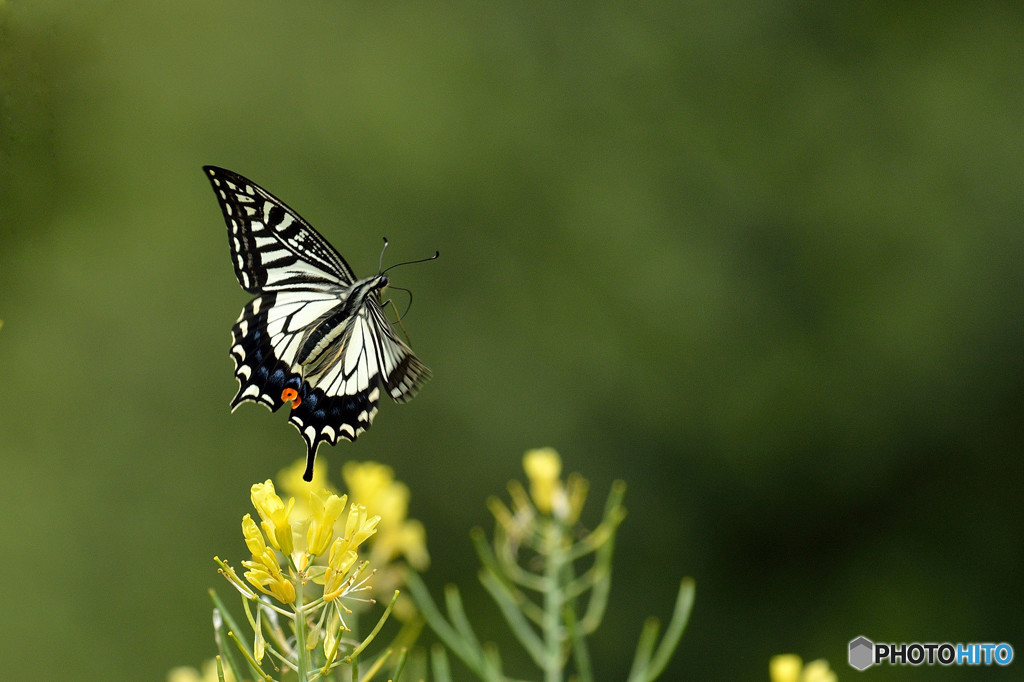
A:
(313, 336)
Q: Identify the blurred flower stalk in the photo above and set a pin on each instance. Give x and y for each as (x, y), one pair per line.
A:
(532, 570)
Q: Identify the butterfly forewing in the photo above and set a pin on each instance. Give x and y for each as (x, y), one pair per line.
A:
(313, 336)
(272, 247)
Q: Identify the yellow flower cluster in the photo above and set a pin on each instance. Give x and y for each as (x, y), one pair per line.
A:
(791, 668)
(264, 571)
(373, 486)
(549, 495)
(287, 542)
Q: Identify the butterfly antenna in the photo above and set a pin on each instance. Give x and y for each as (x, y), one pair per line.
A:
(399, 316)
(380, 262)
(437, 254)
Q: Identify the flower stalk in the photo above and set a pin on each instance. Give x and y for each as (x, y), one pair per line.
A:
(530, 570)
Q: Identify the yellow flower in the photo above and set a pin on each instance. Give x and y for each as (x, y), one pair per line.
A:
(818, 671)
(365, 481)
(275, 516)
(785, 668)
(324, 512)
(374, 486)
(565, 502)
(358, 527)
(253, 537)
(410, 539)
(543, 467)
(790, 668)
(264, 572)
(339, 564)
(265, 575)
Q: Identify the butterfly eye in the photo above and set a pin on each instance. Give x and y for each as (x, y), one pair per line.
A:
(290, 394)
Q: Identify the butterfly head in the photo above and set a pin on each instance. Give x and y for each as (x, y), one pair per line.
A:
(374, 286)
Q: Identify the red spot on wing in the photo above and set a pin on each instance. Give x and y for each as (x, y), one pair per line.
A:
(290, 394)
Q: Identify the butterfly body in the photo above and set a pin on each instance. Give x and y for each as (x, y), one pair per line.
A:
(332, 325)
(314, 336)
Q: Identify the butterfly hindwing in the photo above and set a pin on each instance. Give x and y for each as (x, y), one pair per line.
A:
(265, 336)
(313, 336)
(403, 373)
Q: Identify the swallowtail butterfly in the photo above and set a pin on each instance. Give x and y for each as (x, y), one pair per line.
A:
(314, 336)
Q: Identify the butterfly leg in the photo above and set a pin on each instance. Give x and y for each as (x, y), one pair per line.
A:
(398, 317)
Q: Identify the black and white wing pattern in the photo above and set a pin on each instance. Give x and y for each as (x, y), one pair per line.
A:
(313, 336)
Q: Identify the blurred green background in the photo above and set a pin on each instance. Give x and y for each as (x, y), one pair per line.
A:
(763, 261)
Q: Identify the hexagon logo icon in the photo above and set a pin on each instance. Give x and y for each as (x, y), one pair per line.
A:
(862, 653)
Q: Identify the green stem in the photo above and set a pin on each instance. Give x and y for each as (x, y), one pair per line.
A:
(373, 633)
(581, 655)
(648, 664)
(248, 656)
(301, 654)
(554, 560)
(674, 632)
(463, 644)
